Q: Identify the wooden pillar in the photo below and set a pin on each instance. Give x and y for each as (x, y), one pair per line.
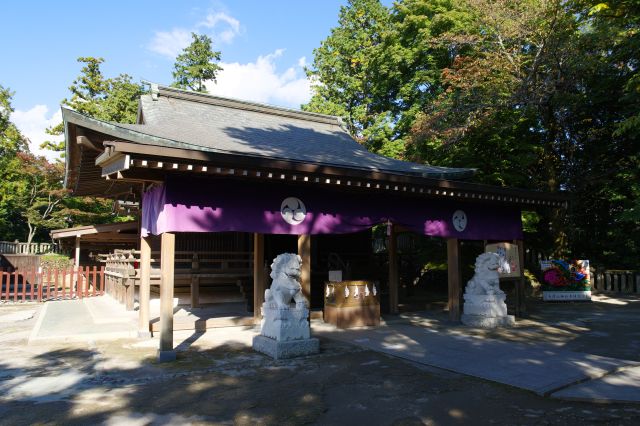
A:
(394, 273)
(195, 281)
(76, 262)
(145, 287)
(454, 278)
(304, 251)
(167, 258)
(258, 276)
(521, 306)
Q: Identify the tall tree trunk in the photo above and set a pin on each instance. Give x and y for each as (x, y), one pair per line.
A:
(32, 232)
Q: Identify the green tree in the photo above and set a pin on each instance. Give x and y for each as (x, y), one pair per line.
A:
(11, 140)
(540, 96)
(110, 99)
(537, 94)
(348, 77)
(39, 193)
(196, 64)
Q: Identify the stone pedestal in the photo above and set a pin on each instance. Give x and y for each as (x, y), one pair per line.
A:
(286, 349)
(566, 296)
(285, 332)
(486, 311)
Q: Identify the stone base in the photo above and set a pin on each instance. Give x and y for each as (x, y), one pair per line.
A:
(286, 349)
(166, 356)
(488, 305)
(566, 296)
(488, 322)
(284, 324)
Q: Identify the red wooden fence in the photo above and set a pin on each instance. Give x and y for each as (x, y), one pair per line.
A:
(39, 285)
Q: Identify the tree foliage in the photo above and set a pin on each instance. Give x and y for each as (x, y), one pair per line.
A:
(347, 80)
(537, 94)
(196, 64)
(11, 140)
(110, 99)
(32, 198)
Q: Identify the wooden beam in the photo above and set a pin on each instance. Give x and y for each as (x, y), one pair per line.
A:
(258, 276)
(304, 251)
(394, 276)
(454, 278)
(145, 287)
(94, 229)
(167, 259)
(277, 166)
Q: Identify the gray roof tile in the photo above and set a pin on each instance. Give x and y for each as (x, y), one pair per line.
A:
(210, 123)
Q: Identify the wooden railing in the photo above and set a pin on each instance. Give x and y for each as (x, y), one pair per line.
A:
(192, 270)
(8, 247)
(615, 281)
(39, 285)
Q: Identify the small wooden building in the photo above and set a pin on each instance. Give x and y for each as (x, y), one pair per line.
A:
(202, 164)
(86, 242)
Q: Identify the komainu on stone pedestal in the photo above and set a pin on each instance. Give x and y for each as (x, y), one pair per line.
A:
(484, 302)
(285, 331)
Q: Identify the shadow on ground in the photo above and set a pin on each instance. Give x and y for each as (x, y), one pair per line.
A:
(121, 383)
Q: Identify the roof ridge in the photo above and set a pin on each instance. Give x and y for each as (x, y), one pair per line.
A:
(172, 92)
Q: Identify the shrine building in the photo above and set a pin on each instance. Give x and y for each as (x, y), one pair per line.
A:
(224, 185)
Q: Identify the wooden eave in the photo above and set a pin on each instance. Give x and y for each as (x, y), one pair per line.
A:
(90, 231)
(142, 163)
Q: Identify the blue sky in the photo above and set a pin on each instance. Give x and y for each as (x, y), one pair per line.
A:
(264, 46)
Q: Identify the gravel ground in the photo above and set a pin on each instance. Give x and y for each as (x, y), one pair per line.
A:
(218, 381)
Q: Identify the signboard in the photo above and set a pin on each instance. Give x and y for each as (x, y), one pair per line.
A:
(560, 275)
(510, 260)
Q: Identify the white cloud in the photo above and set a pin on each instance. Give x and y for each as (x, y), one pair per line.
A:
(222, 27)
(224, 35)
(260, 81)
(170, 43)
(33, 123)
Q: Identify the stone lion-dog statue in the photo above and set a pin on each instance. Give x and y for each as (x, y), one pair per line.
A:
(486, 279)
(285, 272)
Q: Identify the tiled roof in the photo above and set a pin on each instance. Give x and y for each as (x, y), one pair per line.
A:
(210, 123)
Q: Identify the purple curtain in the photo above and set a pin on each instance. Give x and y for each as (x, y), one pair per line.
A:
(218, 205)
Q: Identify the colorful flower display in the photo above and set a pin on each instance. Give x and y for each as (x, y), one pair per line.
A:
(559, 275)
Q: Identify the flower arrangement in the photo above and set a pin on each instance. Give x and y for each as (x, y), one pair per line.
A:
(559, 275)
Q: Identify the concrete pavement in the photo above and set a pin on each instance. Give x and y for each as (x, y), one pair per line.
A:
(543, 369)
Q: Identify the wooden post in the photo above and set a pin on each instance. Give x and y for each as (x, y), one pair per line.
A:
(144, 294)
(304, 251)
(454, 278)
(195, 281)
(76, 262)
(521, 306)
(394, 275)
(258, 276)
(167, 259)
(128, 283)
